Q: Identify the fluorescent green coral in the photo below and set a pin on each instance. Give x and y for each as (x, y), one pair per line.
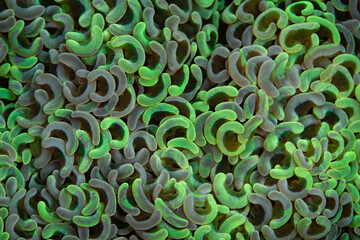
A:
(179, 119)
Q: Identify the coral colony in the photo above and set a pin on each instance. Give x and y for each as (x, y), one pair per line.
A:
(179, 119)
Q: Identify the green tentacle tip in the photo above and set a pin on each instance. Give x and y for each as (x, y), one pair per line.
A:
(86, 48)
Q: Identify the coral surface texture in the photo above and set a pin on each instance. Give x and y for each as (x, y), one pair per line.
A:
(179, 119)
